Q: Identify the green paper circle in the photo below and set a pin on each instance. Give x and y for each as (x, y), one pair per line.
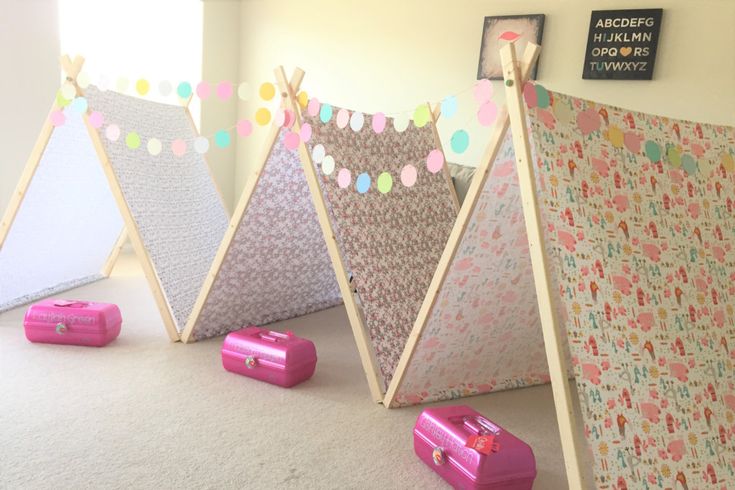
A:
(460, 141)
(653, 151)
(689, 164)
(385, 182)
(542, 97)
(325, 113)
(132, 140)
(222, 138)
(674, 157)
(421, 116)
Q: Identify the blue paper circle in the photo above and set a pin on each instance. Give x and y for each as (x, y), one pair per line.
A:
(449, 106)
(460, 141)
(325, 113)
(363, 183)
(79, 105)
(689, 164)
(222, 138)
(184, 90)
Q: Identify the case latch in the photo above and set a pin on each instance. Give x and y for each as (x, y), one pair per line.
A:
(438, 456)
(250, 362)
(60, 328)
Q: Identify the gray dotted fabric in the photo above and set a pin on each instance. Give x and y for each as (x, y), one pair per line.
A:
(173, 199)
(277, 266)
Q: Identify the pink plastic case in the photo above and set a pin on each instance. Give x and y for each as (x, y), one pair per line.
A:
(279, 358)
(441, 437)
(58, 321)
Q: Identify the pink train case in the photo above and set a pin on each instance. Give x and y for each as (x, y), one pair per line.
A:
(471, 452)
(57, 321)
(278, 358)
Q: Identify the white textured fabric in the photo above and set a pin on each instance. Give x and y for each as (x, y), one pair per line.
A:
(173, 200)
(67, 224)
(277, 266)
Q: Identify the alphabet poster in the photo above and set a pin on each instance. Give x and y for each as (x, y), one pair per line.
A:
(622, 44)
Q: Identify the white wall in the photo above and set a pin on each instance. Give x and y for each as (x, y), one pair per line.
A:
(392, 55)
(29, 50)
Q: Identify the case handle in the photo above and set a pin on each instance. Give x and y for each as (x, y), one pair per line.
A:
(273, 336)
(63, 303)
(480, 425)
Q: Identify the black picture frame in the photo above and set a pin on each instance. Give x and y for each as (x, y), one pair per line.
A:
(531, 27)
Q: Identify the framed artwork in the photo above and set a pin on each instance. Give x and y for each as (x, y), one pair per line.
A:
(500, 29)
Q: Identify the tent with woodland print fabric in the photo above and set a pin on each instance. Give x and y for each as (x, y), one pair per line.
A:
(89, 184)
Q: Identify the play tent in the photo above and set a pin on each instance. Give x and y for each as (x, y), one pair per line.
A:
(86, 182)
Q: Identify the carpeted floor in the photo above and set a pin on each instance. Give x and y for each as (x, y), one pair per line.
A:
(147, 413)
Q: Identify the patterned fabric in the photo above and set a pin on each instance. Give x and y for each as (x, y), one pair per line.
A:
(277, 266)
(392, 242)
(484, 332)
(173, 199)
(67, 224)
(640, 214)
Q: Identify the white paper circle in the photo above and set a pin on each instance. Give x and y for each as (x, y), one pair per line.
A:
(83, 80)
(357, 121)
(280, 118)
(103, 83)
(400, 123)
(165, 88)
(243, 91)
(154, 146)
(122, 85)
(201, 145)
(317, 154)
(68, 91)
(328, 165)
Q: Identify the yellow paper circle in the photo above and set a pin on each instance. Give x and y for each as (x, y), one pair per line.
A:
(142, 86)
(421, 116)
(303, 98)
(263, 116)
(267, 91)
(728, 163)
(616, 136)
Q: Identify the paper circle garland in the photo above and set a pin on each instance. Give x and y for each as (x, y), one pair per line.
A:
(184, 90)
(201, 145)
(262, 116)
(165, 88)
(318, 153)
(132, 140)
(400, 123)
(343, 117)
(344, 177)
(222, 138)
(542, 96)
(79, 105)
(689, 164)
(449, 106)
(313, 108)
(224, 90)
(483, 91)
(385, 182)
(291, 140)
(653, 151)
(378, 122)
(727, 162)
(303, 99)
(112, 132)
(305, 132)
(357, 121)
(530, 95)
(267, 91)
(60, 100)
(460, 141)
(325, 113)
(243, 91)
(203, 90)
(154, 146)
(178, 147)
(328, 165)
(435, 161)
(288, 118)
(68, 91)
(96, 119)
(142, 86)
(487, 113)
(280, 118)
(57, 118)
(244, 128)
(409, 174)
(362, 184)
(421, 116)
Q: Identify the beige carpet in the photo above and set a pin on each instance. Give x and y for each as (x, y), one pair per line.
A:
(147, 413)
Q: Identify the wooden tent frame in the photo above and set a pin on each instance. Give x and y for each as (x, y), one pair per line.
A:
(71, 69)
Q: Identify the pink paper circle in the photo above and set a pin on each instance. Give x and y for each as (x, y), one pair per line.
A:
(291, 140)
(483, 90)
(203, 90)
(379, 122)
(224, 90)
(57, 118)
(96, 119)
(344, 177)
(178, 147)
(244, 128)
(112, 132)
(530, 94)
(408, 175)
(313, 108)
(305, 132)
(343, 118)
(280, 118)
(288, 118)
(487, 113)
(434, 162)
